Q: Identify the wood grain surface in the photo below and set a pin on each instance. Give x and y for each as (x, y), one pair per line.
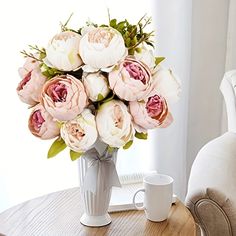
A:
(58, 214)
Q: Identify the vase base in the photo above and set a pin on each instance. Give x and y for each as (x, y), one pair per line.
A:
(95, 221)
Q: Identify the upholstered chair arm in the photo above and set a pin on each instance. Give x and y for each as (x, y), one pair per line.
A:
(211, 195)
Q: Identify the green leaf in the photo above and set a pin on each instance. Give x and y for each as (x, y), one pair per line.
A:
(128, 145)
(134, 41)
(131, 51)
(57, 146)
(121, 25)
(141, 135)
(59, 124)
(113, 23)
(42, 55)
(138, 50)
(150, 44)
(110, 149)
(75, 155)
(49, 72)
(45, 73)
(158, 60)
(100, 97)
(103, 25)
(127, 42)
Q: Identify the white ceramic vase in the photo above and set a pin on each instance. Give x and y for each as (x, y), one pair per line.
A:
(95, 203)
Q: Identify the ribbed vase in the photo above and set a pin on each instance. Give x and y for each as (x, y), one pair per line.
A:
(95, 204)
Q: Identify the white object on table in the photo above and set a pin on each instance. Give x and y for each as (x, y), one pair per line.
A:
(122, 198)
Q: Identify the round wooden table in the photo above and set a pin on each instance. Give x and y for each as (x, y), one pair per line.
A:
(58, 214)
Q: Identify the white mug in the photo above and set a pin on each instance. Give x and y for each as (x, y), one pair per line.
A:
(158, 192)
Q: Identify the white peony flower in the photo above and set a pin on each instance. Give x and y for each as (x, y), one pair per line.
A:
(114, 123)
(146, 56)
(96, 86)
(101, 47)
(87, 29)
(167, 84)
(80, 133)
(63, 51)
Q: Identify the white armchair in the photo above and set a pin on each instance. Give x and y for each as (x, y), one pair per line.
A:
(211, 195)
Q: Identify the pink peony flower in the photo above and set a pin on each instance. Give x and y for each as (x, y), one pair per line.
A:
(151, 113)
(42, 124)
(64, 97)
(30, 87)
(131, 80)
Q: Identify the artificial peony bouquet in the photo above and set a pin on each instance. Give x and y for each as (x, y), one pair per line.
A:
(101, 82)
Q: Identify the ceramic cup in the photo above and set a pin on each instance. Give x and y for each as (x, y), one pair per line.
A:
(158, 192)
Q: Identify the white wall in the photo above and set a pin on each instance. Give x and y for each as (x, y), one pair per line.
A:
(209, 37)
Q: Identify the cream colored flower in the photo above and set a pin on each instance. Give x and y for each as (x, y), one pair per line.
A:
(114, 123)
(87, 29)
(167, 84)
(102, 47)
(96, 86)
(80, 133)
(63, 51)
(146, 56)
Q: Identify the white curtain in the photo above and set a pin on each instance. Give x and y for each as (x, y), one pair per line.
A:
(209, 40)
(165, 151)
(230, 59)
(198, 38)
(173, 22)
(231, 37)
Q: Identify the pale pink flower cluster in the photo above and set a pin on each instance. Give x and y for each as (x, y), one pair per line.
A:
(98, 90)
(31, 83)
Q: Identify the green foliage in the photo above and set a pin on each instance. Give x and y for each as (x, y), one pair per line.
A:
(35, 53)
(39, 54)
(158, 60)
(128, 145)
(134, 35)
(141, 135)
(50, 72)
(57, 146)
(65, 28)
(75, 155)
(100, 97)
(59, 124)
(110, 149)
(109, 97)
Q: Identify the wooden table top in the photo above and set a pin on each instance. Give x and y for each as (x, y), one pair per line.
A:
(58, 214)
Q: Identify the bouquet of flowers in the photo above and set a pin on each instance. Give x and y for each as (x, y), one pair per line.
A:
(100, 82)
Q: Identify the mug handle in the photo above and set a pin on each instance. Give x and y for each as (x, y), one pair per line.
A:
(138, 207)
